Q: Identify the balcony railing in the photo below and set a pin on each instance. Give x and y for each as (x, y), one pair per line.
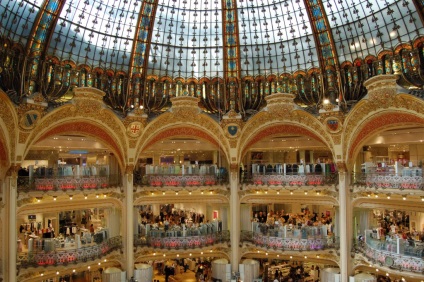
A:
(292, 179)
(290, 243)
(389, 181)
(385, 257)
(37, 259)
(56, 183)
(187, 180)
(183, 242)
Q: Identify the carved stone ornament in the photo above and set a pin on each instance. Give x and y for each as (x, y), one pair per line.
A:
(280, 102)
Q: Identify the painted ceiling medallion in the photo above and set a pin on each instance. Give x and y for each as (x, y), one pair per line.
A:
(232, 130)
(134, 129)
(333, 124)
(29, 119)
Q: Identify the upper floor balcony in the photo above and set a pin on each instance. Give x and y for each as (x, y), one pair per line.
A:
(407, 180)
(66, 183)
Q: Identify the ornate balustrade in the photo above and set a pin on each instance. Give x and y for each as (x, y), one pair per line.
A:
(292, 179)
(189, 180)
(289, 244)
(390, 259)
(391, 181)
(183, 242)
(55, 183)
(38, 259)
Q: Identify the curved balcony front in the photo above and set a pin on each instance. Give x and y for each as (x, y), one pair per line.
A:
(404, 181)
(64, 256)
(290, 242)
(301, 179)
(399, 255)
(66, 183)
(176, 240)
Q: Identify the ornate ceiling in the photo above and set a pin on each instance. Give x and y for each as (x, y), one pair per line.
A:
(229, 53)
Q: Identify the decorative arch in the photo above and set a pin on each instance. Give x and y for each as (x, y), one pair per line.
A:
(8, 125)
(181, 131)
(378, 122)
(82, 126)
(175, 123)
(262, 128)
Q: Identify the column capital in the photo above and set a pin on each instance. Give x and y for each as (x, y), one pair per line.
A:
(341, 167)
(129, 169)
(13, 170)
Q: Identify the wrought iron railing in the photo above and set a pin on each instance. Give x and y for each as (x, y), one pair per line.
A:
(389, 181)
(55, 183)
(290, 243)
(401, 262)
(183, 242)
(291, 179)
(65, 257)
(188, 180)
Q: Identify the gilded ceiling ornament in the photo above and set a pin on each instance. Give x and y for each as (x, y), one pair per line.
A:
(134, 129)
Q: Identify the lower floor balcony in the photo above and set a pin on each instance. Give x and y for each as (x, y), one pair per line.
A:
(43, 257)
(290, 243)
(175, 241)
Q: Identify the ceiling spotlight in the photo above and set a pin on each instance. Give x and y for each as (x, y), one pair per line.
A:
(70, 197)
(318, 193)
(85, 197)
(404, 197)
(39, 199)
(54, 198)
(306, 192)
(291, 192)
(369, 195)
(388, 196)
(422, 198)
(104, 195)
(163, 193)
(97, 196)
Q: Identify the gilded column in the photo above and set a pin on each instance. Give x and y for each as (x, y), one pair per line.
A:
(128, 221)
(345, 223)
(235, 217)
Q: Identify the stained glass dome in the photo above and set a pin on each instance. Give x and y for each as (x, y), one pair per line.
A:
(229, 53)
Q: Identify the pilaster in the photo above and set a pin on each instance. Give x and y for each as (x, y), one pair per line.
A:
(11, 185)
(128, 220)
(235, 217)
(345, 223)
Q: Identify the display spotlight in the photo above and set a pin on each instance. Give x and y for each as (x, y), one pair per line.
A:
(291, 192)
(39, 199)
(104, 195)
(97, 196)
(70, 197)
(85, 197)
(318, 192)
(54, 198)
(404, 197)
(422, 198)
(388, 196)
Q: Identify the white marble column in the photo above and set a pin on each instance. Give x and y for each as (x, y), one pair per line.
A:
(11, 234)
(345, 225)
(235, 219)
(128, 220)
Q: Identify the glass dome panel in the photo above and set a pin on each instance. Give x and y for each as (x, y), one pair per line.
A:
(18, 18)
(187, 39)
(96, 32)
(364, 27)
(275, 36)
